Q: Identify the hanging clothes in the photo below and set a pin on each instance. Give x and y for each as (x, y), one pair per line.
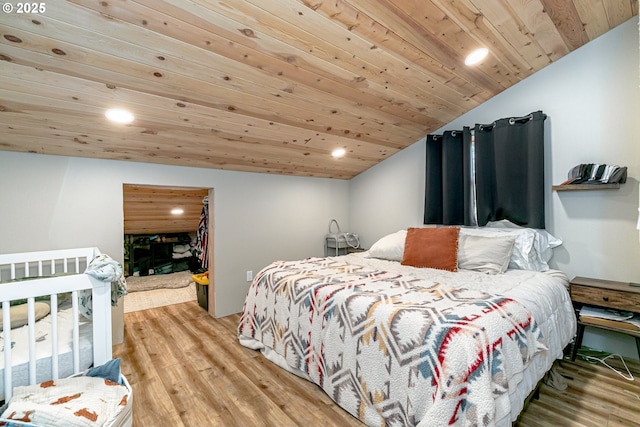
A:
(202, 238)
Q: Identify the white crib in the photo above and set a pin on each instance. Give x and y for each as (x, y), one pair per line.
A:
(48, 274)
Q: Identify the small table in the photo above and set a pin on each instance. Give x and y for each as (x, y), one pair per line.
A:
(605, 294)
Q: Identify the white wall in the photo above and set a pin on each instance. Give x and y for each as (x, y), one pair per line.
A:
(54, 202)
(592, 99)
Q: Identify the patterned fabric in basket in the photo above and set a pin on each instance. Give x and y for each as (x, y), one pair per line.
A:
(78, 401)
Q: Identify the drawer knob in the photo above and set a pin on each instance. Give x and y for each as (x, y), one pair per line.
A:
(606, 299)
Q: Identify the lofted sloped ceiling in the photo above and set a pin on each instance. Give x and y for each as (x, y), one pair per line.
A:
(269, 85)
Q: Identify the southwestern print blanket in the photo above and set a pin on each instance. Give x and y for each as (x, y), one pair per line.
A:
(390, 349)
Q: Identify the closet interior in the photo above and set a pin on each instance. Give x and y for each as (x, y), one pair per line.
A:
(166, 232)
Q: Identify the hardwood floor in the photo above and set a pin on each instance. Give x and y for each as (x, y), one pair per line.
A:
(188, 369)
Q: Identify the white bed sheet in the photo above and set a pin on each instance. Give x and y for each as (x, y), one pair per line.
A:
(20, 351)
(544, 294)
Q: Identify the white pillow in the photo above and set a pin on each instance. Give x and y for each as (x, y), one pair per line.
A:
(489, 255)
(390, 247)
(543, 241)
(532, 249)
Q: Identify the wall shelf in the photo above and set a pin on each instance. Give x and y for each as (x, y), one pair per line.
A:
(579, 187)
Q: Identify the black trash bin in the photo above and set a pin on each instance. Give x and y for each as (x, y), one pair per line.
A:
(202, 292)
(202, 289)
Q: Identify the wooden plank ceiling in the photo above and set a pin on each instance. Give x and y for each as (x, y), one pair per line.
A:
(147, 209)
(269, 86)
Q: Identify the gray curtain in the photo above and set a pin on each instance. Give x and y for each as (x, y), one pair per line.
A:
(496, 174)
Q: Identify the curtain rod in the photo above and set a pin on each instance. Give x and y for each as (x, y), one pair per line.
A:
(512, 121)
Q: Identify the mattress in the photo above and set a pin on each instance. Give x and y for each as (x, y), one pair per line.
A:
(539, 300)
(20, 350)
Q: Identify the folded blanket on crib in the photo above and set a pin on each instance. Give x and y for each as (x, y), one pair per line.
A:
(76, 401)
(106, 269)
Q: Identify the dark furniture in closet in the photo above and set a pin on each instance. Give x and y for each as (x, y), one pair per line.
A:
(153, 253)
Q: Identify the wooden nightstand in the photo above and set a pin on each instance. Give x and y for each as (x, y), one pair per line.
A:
(606, 294)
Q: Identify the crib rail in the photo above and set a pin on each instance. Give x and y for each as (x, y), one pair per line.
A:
(45, 263)
(49, 274)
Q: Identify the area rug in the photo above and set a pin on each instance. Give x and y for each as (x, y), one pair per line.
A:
(159, 298)
(159, 281)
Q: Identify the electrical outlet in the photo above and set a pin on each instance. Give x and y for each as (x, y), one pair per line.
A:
(249, 275)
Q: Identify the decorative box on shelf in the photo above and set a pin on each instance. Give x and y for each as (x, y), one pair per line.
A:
(593, 176)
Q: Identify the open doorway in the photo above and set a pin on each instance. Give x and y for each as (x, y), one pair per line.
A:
(164, 243)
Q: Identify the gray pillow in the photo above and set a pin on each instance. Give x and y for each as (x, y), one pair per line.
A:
(489, 255)
(19, 314)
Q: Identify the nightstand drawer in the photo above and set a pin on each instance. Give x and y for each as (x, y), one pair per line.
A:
(605, 298)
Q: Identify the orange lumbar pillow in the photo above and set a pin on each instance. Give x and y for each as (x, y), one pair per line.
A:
(432, 248)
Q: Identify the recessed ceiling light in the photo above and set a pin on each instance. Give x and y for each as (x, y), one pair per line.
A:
(177, 211)
(338, 152)
(119, 115)
(476, 56)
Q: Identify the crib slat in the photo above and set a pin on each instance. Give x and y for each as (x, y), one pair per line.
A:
(76, 333)
(6, 327)
(31, 322)
(54, 336)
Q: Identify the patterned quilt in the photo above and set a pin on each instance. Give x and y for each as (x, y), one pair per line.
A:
(392, 350)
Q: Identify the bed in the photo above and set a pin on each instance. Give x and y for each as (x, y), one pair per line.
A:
(56, 318)
(428, 331)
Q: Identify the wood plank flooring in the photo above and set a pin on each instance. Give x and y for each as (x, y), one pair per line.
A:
(188, 369)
